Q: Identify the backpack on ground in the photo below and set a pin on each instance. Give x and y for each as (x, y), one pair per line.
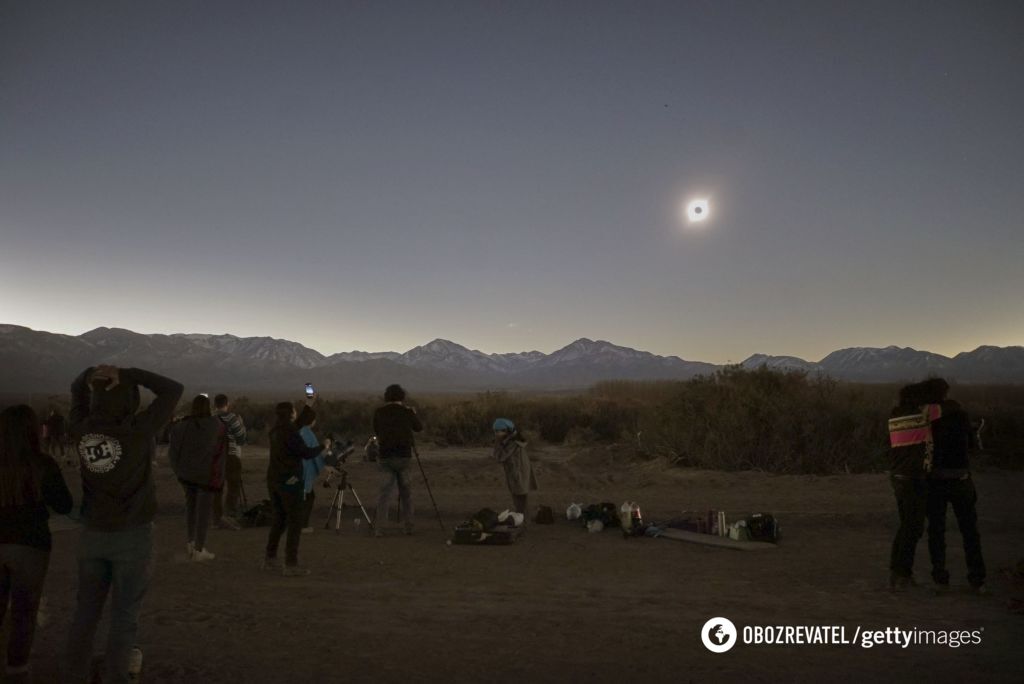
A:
(259, 515)
(763, 527)
(545, 516)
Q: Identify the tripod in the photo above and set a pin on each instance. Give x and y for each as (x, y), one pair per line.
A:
(338, 502)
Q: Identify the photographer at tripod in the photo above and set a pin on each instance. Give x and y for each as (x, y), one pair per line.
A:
(394, 424)
(311, 467)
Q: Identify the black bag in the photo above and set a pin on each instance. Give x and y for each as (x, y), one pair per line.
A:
(607, 513)
(763, 528)
(259, 515)
(486, 519)
(545, 516)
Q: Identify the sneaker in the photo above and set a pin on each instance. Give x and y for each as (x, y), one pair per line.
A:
(270, 564)
(202, 555)
(226, 523)
(295, 571)
(307, 530)
(135, 664)
(899, 584)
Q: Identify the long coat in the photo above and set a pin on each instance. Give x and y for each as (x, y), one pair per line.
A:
(518, 472)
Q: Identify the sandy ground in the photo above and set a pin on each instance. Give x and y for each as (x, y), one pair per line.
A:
(562, 604)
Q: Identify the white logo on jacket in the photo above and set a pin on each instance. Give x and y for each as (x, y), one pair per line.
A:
(99, 453)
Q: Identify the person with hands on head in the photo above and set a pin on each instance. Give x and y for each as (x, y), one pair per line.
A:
(115, 441)
(30, 483)
(394, 425)
(285, 486)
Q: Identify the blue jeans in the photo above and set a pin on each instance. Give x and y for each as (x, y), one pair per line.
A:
(396, 471)
(119, 563)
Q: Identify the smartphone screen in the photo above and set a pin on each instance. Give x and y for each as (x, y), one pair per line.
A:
(310, 390)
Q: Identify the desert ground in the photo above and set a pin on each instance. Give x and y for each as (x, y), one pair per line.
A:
(562, 604)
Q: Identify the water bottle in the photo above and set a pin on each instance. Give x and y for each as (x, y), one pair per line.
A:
(636, 518)
(356, 523)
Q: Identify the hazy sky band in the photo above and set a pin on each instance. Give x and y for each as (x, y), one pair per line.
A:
(510, 175)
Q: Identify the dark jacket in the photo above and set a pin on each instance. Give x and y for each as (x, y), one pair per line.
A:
(27, 524)
(953, 439)
(287, 451)
(198, 451)
(116, 454)
(394, 425)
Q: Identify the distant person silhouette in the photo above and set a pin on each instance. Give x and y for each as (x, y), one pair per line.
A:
(950, 484)
(56, 434)
(510, 452)
(912, 454)
(227, 502)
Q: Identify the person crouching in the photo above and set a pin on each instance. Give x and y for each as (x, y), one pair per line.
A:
(198, 453)
(510, 452)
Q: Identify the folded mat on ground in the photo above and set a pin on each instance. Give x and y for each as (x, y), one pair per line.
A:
(714, 540)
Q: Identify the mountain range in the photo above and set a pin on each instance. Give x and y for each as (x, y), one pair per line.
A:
(43, 362)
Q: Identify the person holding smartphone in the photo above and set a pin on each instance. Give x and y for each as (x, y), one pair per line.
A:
(394, 424)
(285, 486)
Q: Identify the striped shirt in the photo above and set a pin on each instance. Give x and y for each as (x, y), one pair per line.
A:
(236, 432)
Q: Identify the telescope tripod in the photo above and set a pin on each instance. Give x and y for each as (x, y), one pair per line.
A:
(338, 502)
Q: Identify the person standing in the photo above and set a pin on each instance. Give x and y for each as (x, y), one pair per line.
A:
(30, 482)
(311, 467)
(197, 453)
(114, 440)
(950, 484)
(394, 424)
(510, 452)
(285, 485)
(227, 501)
(912, 454)
(56, 434)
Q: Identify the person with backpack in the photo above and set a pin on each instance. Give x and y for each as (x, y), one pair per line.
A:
(950, 484)
(30, 483)
(226, 503)
(394, 425)
(115, 443)
(285, 486)
(912, 454)
(510, 452)
(197, 452)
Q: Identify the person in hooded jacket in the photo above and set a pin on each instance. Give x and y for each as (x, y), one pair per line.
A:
(198, 452)
(510, 452)
(115, 445)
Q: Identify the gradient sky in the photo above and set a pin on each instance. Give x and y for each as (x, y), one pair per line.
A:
(509, 175)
